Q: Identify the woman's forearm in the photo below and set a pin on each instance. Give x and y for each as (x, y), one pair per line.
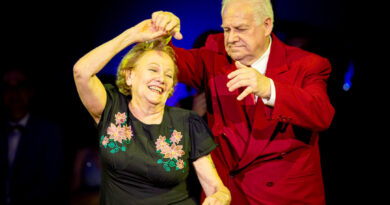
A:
(95, 60)
(211, 183)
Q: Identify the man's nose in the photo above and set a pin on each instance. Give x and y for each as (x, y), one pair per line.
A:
(232, 37)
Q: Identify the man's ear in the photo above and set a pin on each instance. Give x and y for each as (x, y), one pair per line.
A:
(268, 25)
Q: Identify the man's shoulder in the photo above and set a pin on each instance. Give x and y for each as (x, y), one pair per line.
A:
(299, 56)
(215, 42)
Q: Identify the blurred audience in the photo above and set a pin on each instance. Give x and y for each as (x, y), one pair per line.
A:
(86, 177)
(31, 147)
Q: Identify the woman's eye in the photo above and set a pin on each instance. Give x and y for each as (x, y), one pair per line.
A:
(153, 69)
(169, 76)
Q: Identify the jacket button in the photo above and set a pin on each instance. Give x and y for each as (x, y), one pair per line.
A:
(269, 184)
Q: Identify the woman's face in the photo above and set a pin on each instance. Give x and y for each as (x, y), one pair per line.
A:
(151, 79)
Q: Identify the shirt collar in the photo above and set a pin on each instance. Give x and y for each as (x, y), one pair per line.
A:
(261, 63)
(22, 122)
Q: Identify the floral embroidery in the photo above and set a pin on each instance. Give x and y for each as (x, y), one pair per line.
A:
(169, 149)
(119, 133)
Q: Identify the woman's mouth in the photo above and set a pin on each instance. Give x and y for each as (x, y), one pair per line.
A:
(156, 89)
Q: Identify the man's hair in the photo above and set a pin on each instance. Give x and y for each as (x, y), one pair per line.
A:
(130, 59)
(261, 8)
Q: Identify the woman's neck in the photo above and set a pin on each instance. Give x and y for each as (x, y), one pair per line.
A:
(146, 113)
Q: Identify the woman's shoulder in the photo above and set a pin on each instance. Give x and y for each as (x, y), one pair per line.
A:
(182, 114)
(113, 92)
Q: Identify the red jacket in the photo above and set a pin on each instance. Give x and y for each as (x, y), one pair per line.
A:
(266, 155)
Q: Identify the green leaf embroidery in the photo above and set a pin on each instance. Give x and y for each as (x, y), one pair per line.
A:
(111, 144)
(113, 151)
(172, 164)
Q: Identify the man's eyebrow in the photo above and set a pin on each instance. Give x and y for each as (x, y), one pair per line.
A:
(236, 26)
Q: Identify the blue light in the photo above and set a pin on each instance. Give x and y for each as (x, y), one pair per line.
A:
(348, 76)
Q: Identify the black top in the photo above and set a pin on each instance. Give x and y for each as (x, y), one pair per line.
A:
(149, 164)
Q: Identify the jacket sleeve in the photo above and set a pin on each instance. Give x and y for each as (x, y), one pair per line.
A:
(195, 63)
(305, 102)
(191, 66)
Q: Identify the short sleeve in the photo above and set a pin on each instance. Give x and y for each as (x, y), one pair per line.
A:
(112, 95)
(202, 140)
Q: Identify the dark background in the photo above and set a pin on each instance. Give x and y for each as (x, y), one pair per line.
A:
(48, 38)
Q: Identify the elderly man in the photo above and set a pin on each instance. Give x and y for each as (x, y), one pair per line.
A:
(267, 103)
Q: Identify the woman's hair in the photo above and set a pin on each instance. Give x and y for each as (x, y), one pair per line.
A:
(130, 59)
(261, 8)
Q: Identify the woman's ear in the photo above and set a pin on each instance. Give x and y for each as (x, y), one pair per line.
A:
(128, 78)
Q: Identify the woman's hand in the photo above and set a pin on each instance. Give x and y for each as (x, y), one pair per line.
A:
(215, 190)
(221, 197)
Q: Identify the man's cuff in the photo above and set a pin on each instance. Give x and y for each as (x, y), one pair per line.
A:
(270, 101)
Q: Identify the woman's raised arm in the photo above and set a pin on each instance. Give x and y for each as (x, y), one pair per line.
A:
(89, 87)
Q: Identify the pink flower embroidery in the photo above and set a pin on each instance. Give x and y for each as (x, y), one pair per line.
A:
(104, 141)
(116, 133)
(120, 118)
(175, 151)
(180, 164)
(128, 133)
(162, 145)
(119, 134)
(176, 136)
(170, 151)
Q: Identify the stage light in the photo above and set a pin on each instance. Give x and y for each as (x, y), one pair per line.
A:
(348, 76)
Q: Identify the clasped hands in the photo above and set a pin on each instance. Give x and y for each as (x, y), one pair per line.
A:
(164, 24)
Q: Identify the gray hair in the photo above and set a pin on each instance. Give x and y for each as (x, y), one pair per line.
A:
(262, 9)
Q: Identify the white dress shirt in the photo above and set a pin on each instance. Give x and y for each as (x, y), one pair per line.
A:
(261, 66)
(14, 138)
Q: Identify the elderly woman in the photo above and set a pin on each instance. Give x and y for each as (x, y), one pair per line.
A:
(147, 149)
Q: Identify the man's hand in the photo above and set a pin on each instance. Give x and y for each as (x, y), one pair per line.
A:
(144, 31)
(168, 23)
(250, 78)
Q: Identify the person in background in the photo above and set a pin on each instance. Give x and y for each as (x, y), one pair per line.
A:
(31, 146)
(147, 149)
(267, 103)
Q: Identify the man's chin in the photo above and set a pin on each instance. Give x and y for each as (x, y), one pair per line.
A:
(235, 56)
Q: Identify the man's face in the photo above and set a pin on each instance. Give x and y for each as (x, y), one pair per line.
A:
(16, 94)
(245, 40)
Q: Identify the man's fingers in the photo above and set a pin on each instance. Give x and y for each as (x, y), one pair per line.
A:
(157, 18)
(157, 34)
(240, 65)
(245, 93)
(172, 26)
(235, 73)
(178, 36)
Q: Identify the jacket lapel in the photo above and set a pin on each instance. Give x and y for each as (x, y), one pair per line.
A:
(263, 126)
(233, 111)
